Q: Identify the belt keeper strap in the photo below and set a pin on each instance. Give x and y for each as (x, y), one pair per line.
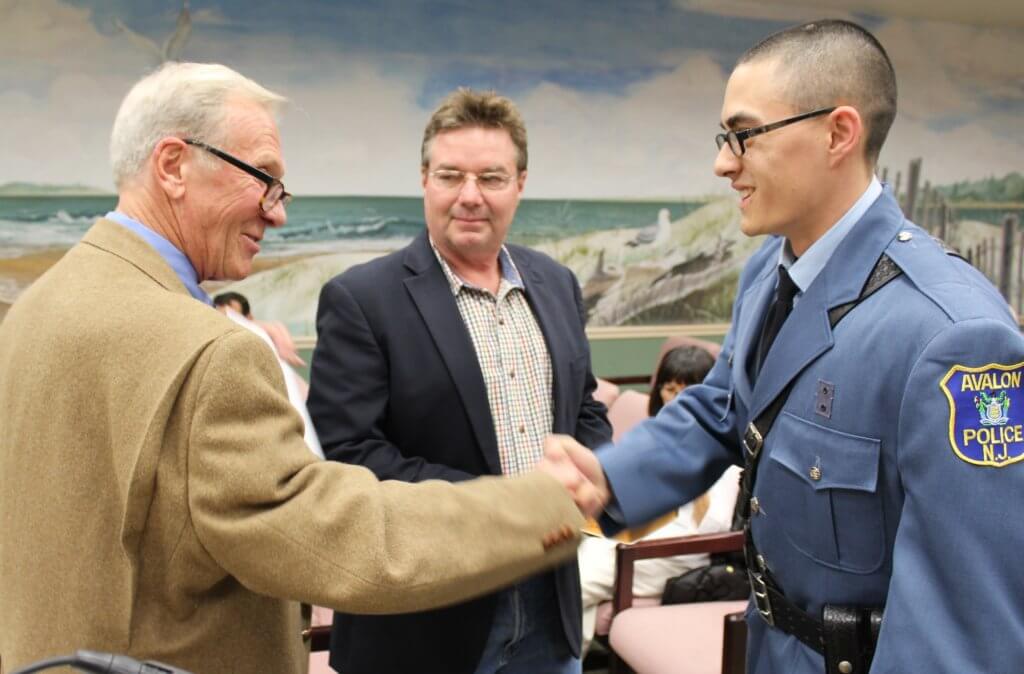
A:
(850, 636)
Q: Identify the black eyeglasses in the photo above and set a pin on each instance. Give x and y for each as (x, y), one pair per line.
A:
(736, 139)
(275, 188)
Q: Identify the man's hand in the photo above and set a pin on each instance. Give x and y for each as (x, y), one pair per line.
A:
(584, 477)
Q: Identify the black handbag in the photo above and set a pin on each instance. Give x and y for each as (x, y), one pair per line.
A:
(723, 579)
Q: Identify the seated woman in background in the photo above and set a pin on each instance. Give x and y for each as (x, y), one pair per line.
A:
(709, 513)
(679, 368)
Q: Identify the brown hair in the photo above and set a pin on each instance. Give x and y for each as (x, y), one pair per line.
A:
(465, 108)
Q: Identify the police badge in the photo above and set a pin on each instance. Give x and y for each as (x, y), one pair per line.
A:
(980, 427)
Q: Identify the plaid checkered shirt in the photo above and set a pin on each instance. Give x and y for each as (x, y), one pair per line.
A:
(513, 359)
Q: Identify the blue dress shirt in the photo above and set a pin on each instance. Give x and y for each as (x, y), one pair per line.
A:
(171, 255)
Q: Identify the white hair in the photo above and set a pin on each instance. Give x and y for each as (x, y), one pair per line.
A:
(178, 99)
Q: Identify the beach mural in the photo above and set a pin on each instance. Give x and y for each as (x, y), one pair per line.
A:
(621, 101)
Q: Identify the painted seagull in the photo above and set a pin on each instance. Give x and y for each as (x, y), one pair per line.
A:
(654, 233)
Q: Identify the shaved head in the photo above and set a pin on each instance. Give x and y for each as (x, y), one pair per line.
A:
(833, 62)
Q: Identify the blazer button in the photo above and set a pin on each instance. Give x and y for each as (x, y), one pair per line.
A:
(814, 473)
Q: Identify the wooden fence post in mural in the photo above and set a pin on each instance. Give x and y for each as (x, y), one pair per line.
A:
(1006, 261)
(885, 174)
(896, 188)
(943, 215)
(1020, 277)
(922, 217)
(913, 176)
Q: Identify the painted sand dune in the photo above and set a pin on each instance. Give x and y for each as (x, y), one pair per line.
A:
(678, 272)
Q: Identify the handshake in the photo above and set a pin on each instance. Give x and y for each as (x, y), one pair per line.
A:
(579, 471)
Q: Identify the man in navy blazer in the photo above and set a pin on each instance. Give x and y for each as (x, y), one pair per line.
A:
(452, 358)
(882, 428)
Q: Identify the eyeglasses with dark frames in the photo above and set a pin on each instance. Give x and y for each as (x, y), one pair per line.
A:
(275, 191)
(737, 139)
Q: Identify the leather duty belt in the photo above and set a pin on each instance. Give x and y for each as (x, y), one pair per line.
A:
(775, 609)
(846, 635)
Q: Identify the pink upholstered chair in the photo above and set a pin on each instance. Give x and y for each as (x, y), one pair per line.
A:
(606, 392)
(319, 662)
(702, 638)
(629, 409)
(320, 640)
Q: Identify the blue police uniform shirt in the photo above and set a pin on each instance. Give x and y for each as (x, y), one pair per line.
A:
(897, 486)
(172, 256)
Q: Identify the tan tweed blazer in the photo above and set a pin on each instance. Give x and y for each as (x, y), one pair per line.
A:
(157, 499)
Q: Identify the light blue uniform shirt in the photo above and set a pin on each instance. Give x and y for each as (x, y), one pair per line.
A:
(171, 255)
(803, 271)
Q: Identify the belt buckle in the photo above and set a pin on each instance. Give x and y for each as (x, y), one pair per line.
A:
(760, 589)
(752, 440)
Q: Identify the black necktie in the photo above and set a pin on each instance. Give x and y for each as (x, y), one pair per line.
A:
(776, 316)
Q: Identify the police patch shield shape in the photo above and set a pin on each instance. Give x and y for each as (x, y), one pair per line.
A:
(986, 413)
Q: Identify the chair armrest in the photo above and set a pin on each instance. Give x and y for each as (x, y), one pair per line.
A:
(627, 554)
(319, 637)
(734, 644)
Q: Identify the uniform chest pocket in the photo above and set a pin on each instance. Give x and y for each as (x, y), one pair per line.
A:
(819, 486)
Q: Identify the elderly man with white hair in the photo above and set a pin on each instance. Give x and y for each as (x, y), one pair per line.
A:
(156, 495)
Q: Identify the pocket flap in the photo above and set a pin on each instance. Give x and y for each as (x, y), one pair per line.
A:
(824, 458)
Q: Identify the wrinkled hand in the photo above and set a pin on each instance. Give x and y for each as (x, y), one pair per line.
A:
(283, 342)
(580, 472)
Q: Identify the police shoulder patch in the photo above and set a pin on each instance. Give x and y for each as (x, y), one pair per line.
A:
(984, 428)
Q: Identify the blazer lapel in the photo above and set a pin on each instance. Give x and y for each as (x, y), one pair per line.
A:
(549, 313)
(807, 334)
(428, 287)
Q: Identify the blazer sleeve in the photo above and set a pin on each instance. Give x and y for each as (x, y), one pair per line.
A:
(349, 393)
(288, 525)
(592, 426)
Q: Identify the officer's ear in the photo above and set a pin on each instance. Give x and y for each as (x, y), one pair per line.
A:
(845, 134)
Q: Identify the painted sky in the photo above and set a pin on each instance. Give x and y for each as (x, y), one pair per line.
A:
(621, 99)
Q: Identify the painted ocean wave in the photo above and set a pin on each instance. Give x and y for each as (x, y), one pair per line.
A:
(328, 224)
(368, 227)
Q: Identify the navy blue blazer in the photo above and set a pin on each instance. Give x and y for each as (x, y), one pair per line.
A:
(879, 483)
(395, 386)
